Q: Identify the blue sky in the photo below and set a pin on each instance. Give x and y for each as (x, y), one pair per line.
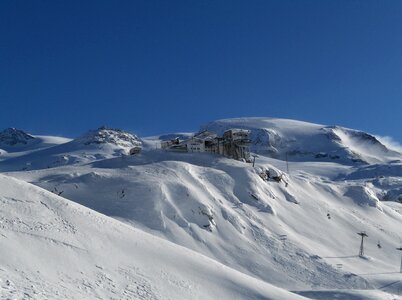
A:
(163, 66)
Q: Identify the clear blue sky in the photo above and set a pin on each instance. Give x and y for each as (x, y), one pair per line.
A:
(163, 66)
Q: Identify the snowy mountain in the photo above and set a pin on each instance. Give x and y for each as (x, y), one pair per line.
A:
(94, 145)
(12, 137)
(303, 141)
(104, 135)
(298, 233)
(15, 142)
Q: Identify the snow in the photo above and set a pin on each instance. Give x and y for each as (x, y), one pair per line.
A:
(14, 143)
(306, 141)
(53, 248)
(349, 295)
(94, 145)
(297, 234)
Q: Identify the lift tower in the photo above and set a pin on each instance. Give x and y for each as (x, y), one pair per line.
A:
(363, 235)
(400, 248)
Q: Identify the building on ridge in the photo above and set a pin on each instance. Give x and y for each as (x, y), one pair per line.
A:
(234, 144)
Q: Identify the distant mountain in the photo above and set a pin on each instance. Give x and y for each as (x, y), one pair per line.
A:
(302, 141)
(94, 145)
(15, 142)
(13, 137)
(292, 224)
(104, 135)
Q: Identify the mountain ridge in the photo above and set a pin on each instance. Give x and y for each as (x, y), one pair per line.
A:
(296, 231)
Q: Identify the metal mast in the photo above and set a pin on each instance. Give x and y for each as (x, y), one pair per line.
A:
(254, 156)
(400, 269)
(363, 235)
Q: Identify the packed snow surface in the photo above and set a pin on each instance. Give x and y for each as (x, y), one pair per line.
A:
(55, 249)
(290, 224)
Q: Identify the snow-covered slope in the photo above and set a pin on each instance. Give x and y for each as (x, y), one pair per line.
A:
(94, 145)
(307, 141)
(299, 234)
(222, 208)
(15, 142)
(154, 142)
(52, 248)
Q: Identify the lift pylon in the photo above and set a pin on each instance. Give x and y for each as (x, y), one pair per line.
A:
(363, 235)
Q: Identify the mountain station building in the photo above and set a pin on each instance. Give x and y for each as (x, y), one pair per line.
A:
(234, 144)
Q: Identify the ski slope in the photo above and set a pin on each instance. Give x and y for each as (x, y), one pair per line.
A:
(53, 248)
(299, 234)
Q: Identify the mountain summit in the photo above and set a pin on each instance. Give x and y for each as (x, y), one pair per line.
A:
(290, 217)
(13, 136)
(105, 135)
(303, 141)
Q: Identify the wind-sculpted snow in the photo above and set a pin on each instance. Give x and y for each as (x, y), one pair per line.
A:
(363, 196)
(95, 145)
(375, 171)
(277, 231)
(291, 223)
(301, 141)
(385, 180)
(15, 142)
(349, 295)
(54, 249)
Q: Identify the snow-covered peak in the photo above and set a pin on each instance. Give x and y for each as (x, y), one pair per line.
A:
(95, 145)
(13, 136)
(294, 224)
(104, 135)
(305, 141)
